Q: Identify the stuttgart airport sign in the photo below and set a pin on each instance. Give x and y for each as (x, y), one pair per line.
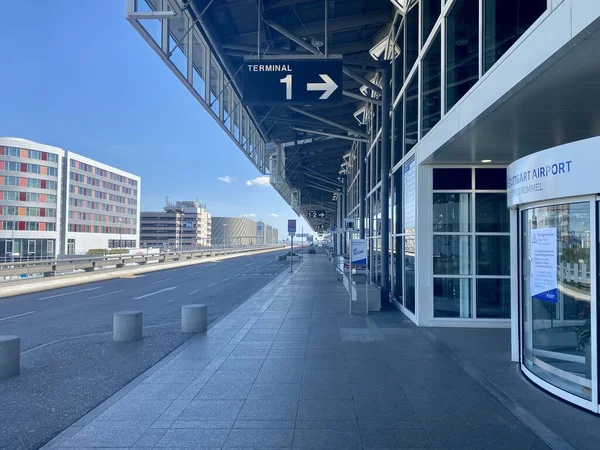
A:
(292, 81)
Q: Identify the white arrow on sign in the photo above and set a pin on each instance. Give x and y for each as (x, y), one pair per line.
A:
(328, 86)
(322, 215)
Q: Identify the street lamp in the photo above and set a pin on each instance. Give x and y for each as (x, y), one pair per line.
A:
(120, 232)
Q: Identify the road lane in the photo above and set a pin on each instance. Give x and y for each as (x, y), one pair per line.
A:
(73, 365)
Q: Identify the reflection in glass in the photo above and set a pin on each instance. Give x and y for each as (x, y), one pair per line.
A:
(491, 213)
(452, 297)
(493, 298)
(398, 116)
(452, 213)
(409, 272)
(451, 255)
(556, 337)
(399, 268)
(493, 255)
(431, 12)
(398, 202)
(411, 137)
(432, 103)
(504, 22)
(462, 50)
(412, 37)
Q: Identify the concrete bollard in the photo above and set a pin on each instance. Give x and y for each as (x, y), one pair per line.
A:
(194, 318)
(10, 356)
(127, 326)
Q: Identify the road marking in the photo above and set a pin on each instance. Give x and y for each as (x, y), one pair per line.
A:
(161, 281)
(69, 293)
(246, 265)
(104, 295)
(192, 273)
(18, 315)
(170, 301)
(193, 292)
(211, 285)
(226, 279)
(157, 292)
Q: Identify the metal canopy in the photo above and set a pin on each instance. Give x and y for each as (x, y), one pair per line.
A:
(297, 27)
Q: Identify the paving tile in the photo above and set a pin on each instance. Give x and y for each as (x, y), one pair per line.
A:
(325, 390)
(270, 409)
(175, 409)
(241, 353)
(288, 345)
(260, 438)
(108, 434)
(277, 353)
(264, 424)
(187, 364)
(228, 390)
(280, 374)
(150, 438)
(202, 424)
(395, 438)
(131, 409)
(242, 365)
(158, 391)
(172, 376)
(342, 409)
(325, 375)
(212, 410)
(268, 391)
(193, 438)
(327, 424)
(233, 376)
(326, 438)
(317, 362)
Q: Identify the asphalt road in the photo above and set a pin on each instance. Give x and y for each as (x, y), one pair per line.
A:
(69, 362)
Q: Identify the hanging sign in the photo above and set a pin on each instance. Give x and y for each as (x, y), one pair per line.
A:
(543, 279)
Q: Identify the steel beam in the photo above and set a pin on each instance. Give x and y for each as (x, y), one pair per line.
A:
(362, 189)
(329, 122)
(331, 135)
(385, 185)
(288, 34)
(375, 101)
(362, 80)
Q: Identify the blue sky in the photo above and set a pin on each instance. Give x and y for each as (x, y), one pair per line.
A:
(76, 75)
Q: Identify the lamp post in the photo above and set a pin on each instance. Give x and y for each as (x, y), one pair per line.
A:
(120, 232)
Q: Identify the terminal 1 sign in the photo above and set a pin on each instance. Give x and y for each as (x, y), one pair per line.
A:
(292, 81)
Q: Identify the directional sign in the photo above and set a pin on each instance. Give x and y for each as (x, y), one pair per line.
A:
(291, 226)
(321, 227)
(292, 81)
(318, 213)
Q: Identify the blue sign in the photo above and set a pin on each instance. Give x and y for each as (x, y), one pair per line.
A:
(189, 224)
(291, 226)
(359, 252)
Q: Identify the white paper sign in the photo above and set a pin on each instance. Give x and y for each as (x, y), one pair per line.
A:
(359, 252)
(543, 279)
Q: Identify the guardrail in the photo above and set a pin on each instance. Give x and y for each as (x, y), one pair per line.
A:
(52, 267)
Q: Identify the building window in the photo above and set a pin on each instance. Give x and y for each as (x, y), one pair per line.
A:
(411, 135)
(431, 10)
(504, 22)
(462, 50)
(471, 244)
(432, 85)
(412, 37)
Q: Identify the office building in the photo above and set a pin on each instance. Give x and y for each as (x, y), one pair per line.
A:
(440, 97)
(183, 225)
(265, 233)
(57, 202)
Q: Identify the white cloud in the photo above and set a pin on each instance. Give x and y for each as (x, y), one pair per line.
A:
(226, 179)
(249, 215)
(258, 181)
(274, 215)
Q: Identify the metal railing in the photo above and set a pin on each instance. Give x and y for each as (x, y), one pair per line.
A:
(64, 265)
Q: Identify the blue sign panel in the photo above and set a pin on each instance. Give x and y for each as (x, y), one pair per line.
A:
(291, 226)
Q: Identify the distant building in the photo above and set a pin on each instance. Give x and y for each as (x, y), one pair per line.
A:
(234, 231)
(54, 202)
(183, 225)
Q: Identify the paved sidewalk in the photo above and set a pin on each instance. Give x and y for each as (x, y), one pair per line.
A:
(290, 368)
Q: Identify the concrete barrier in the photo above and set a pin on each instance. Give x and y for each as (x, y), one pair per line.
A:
(194, 318)
(10, 356)
(127, 326)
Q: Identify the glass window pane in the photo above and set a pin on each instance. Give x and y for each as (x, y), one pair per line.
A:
(398, 133)
(451, 213)
(412, 37)
(432, 103)
(409, 273)
(451, 179)
(431, 12)
(493, 299)
(452, 255)
(398, 201)
(504, 22)
(411, 135)
(462, 50)
(399, 62)
(452, 297)
(491, 213)
(398, 268)
(410, 196)
(490, 179)
(554, 348)
(493, 255)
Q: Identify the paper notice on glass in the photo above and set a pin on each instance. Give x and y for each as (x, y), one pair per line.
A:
(543, 279)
